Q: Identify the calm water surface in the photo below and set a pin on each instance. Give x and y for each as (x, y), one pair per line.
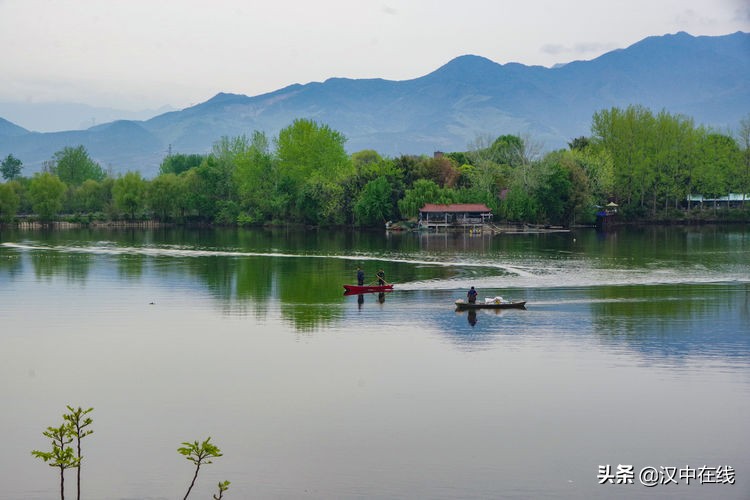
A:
(634, 350)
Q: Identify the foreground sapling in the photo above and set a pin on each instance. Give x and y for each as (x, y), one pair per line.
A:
(199, 454)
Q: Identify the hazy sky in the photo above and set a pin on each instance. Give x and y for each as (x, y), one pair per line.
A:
(138, 54)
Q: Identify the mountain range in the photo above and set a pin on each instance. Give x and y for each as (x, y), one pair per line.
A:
(704, 77)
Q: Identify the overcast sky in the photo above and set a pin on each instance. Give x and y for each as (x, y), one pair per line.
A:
(138, 54)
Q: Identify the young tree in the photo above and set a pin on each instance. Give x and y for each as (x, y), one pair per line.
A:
(223, 486)
(199, 454)
(256, 180)
(74, 165)
(164, 195)
(743, 139)
(11, 167)
(178, 163)
(374, 203)
(77, 422)
(129, 193)
(91, 196)
(46, 192)
(61, 456)
(9, 202)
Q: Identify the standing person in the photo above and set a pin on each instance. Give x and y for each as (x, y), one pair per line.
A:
(360, 276)
(381, 277)
(471, 295)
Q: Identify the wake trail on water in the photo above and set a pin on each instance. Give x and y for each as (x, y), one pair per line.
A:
(177, 251)
(534, 273)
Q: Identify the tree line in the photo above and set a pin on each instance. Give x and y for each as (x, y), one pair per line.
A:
(646, 162)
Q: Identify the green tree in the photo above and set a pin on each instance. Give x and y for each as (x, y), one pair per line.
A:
(164, 196)
(309, 153)
(73, 166)
(129, 193)
(485, 182)
(424, 191)
(509, 150)
(77, 422)
(743, 138)
(256, 180)
(579, 143)
(199, 454)
(552, 190)
(178, 163)
(9, 202)
(46, 192)
(374, 204)
(321, 201)
(718, 166)
(61, 456)
(91, 196)
(11, 167)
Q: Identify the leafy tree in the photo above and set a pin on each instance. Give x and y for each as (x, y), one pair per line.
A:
(200, 454)
(743, 138)
(442, 170)
(91, 196)
(129, 193)
(256, 180)
(310, 153)
(164, 195)
(73, 166)
(484, 183)
(374, 203)
(9, 202)
(77, 422)
(362, 159)
(61, 456)
(178, 163)
(321, 201)
(509, 150)
(46, 192)
(579, 143)
(519, 205)
(553, 190)
(718, 165)
(424, 191)
(11, 167)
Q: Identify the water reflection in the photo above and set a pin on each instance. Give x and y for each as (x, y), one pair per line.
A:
(300, 273)
(674, 321)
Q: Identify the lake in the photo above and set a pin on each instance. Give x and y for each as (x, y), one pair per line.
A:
(633, 353)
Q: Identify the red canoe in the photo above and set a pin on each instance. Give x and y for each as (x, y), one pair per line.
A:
(367, 288)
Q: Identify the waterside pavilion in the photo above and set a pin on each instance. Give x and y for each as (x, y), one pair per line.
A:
(454, 215)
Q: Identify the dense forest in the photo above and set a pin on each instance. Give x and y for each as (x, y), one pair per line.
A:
(649, 164)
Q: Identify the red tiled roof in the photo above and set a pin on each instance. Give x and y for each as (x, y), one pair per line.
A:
(455, 207)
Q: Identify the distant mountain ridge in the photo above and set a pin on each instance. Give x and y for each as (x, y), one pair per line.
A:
(707, 78)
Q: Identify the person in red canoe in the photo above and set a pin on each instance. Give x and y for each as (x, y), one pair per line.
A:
(471, 295)
(360, 276)
(381, 277)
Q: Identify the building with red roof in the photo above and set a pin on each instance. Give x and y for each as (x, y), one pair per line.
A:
(454, 215)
